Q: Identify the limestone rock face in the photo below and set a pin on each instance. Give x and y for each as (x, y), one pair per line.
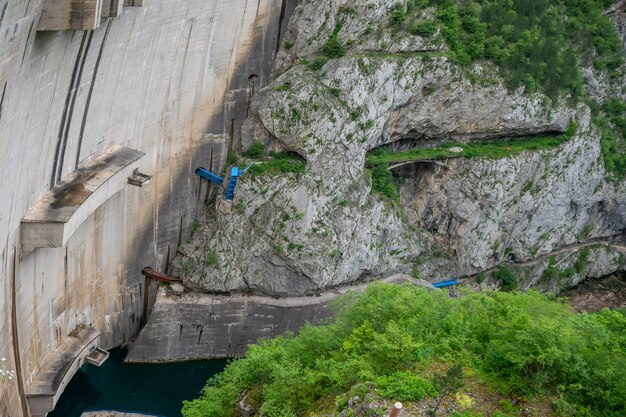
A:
(301, 233)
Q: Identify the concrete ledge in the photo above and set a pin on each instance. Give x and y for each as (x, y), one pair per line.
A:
(55, 373)
(112, 8)
(70, 15)
(57, 215)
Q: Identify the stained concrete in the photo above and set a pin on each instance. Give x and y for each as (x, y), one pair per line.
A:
(204, 326)
(54, 375)
(171, 79)
(56, 216)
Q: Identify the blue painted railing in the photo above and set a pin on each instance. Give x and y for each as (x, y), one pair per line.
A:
(447, 283)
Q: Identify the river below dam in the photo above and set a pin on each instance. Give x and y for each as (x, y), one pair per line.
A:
(157, 389)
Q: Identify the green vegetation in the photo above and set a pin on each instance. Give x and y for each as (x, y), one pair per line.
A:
(403, 342)
(506, 277)
(385, 184)
(280, 163)
(612, 122)
(490, 150)
(319, 62)
(535, 43)
(256, 150)
(404, 386)
(333, 47)
(211, 258)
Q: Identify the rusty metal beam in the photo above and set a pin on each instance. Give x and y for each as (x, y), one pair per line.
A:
(150, 273)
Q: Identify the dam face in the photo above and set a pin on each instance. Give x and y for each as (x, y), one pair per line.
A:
(160, 89)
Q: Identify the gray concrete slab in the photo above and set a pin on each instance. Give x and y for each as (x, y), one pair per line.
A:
(50, 381)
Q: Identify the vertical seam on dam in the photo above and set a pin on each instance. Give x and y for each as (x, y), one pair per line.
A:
(16, 341)
(65, 108)
(283, 9)
(91, 88)
(4, 11)
(4, 90)
(71, 111)
(30, 32)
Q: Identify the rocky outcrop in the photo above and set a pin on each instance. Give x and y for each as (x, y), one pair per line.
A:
(301, 233)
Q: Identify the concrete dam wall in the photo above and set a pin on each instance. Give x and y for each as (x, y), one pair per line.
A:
(160, 89)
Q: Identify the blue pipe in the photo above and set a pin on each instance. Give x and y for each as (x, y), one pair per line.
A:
(206, 174)
(448, 283)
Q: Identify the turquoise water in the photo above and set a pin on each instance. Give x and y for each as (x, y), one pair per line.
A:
(154, 389)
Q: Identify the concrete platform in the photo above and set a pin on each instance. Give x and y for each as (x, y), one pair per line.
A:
(50, 381)
(57, 215)
(70, 15)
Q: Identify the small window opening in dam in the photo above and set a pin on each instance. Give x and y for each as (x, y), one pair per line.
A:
(157, 389)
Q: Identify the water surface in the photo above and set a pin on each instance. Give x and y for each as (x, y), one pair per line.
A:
(154, 389)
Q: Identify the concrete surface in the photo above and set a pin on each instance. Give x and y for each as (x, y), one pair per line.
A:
(202, 326)
(57, 215)
(53, 376)
(70, 15)
(171, 79)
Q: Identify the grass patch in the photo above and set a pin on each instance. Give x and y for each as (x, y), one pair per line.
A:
(256, 150)
(488, 150)
(211, 258)
(280, 163)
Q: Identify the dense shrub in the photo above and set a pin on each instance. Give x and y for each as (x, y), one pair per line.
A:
(526, 343)
(384, 183)
(404, 386)
(536, 43)
(506, 277)
(256, 150)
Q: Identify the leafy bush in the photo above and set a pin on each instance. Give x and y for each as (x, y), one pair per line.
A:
(256, 150)
(404, 386)
(506, 277)
(526, 343)
(384, 183)
(424, 28)
(318, 63)
(333, 48)
(398, 14)
(612, 122)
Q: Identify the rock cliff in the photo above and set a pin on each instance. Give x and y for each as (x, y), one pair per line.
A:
(346, 83)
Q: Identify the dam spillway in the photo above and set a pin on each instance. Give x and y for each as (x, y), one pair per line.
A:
(171, 80)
